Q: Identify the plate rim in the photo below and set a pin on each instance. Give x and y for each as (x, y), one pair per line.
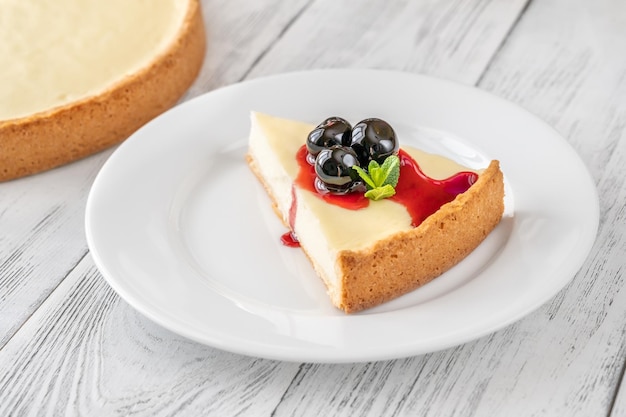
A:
(289, 354)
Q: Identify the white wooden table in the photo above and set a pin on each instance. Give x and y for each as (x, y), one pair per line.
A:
(70, 346)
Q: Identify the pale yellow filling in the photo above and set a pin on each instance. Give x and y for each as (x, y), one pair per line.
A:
(54, 52)
(357, 229)
(342, 228)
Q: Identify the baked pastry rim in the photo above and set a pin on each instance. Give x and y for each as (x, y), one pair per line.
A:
(54, 137)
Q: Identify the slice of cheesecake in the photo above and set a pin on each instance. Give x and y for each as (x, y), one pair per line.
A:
(370, 255)
(80, 76)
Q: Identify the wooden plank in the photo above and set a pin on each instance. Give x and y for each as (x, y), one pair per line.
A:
(239, 32)
(41, 217)
(42, 240)
(615, 230)
(86, 352)
(567, 71)
(453, 39)
(566, 68)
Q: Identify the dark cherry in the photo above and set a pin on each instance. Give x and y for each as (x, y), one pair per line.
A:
(374, 139)
(331, 132)
(333, 167)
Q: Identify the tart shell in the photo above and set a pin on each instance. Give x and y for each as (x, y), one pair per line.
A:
(408, 260)
(64, 134)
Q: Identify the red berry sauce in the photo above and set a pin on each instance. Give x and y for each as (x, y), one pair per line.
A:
(289, 239)
(420, 194)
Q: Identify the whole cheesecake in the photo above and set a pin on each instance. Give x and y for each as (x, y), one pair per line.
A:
(79, 76)
(372, 253)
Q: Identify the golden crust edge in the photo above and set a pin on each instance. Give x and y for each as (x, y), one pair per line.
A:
(370, 277)
(67, 133)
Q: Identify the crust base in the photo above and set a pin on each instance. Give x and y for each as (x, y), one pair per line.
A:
(408, 260)
(49, 139)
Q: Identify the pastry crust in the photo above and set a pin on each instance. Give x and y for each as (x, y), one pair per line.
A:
(52, 138)
(408, 260)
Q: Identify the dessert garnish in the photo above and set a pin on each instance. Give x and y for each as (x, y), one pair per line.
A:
(352, 159)
(351, 166)
(380, 179)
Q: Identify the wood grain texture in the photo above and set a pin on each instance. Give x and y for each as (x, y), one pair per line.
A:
(239, 32)
(452, 39)
(86, 352)
(563, 65)
(42, 237)
(568, 74)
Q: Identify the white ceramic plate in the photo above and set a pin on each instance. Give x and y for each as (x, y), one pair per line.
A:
(182, 230)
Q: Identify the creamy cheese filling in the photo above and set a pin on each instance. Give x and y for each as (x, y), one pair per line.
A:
(53, 52)
(325, 229)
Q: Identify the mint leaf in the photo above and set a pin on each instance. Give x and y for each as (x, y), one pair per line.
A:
(391, 170)
(364, 175)
(377, 174)
(380, 180)
(379, 193)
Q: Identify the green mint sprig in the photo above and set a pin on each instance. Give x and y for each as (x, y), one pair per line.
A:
(380, 179)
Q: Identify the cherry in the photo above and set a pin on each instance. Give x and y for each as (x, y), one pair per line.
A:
(373, 139)
(332, 131)
(333, 167)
